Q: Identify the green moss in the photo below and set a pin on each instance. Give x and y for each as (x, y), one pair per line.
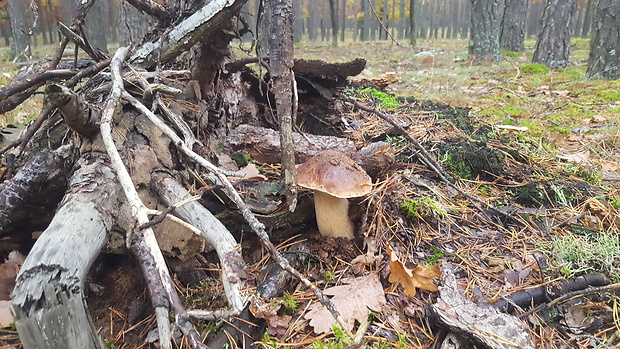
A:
(609, 95)
(510, 53)
(242, 158)
(386, 101)
(514, 111)
(425, 207)
(533, 68)
(560, 129)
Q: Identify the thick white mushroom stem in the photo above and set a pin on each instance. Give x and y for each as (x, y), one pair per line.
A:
(332, 215)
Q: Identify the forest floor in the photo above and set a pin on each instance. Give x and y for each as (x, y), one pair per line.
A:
(541, 147)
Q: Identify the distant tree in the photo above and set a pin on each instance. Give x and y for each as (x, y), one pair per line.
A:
(512, 29)
(97, 28)
(485, 27)
(299, 21)
(312, 20)
(587, 19)
(533, 18)
(604, 60)
(333, 15)
(20, 24)
(413, 32)
(553, 44)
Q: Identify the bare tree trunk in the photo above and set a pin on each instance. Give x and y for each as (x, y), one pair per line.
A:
(299, 22)
(533, 19)
(513, 25)
(343, 19)
(604, 60)
(333, 15)
(413, 31)
(485, 28)
(364, 21)
(553, 44)
(20, 24)
(587, 19)
(96, 27)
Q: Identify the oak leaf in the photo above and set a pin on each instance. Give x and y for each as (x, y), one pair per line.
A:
(412, 279)
(277, 325)
(352, 301)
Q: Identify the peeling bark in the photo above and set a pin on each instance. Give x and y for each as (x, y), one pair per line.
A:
(77, 113)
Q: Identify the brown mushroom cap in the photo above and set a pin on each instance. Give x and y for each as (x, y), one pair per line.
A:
(334, 173)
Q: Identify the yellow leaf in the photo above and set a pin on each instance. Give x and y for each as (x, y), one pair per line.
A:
(412, 279)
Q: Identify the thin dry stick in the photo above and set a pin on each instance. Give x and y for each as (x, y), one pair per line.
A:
(147, 242)
(426, 158)
(256, 226)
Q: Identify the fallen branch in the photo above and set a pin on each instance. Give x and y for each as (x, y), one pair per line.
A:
(186, 34)
(48, 299)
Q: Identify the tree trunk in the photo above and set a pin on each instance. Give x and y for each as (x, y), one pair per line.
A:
(485, 29)
(20, 24)
(413, 31)
(533, 19)
(513, 25)
(553, 44)
(312, 20)
(373, 21)
(587, 19)
(333, 16)
(343, 19)
(299, 22)
(96, 28)
(364, 22)
(604, 60)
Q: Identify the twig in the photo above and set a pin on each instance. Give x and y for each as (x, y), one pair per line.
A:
(571, 295)
(138, 208)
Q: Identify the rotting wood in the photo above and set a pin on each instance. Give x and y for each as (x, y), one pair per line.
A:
(263, 145)
(496, 330)
(43, 168)
(48, 298)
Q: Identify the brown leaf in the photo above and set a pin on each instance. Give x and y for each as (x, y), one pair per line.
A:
(352, 302)
(412, 279)
(276, 324)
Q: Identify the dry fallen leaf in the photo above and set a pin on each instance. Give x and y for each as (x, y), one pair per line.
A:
(412, 279)
(265, 309)
(352, 301)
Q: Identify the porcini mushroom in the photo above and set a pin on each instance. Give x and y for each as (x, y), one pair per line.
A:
(334, 177)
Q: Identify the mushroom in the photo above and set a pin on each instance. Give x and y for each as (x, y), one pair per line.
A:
(334, 177)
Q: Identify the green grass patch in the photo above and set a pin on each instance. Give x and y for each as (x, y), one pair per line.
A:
(533, 68)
